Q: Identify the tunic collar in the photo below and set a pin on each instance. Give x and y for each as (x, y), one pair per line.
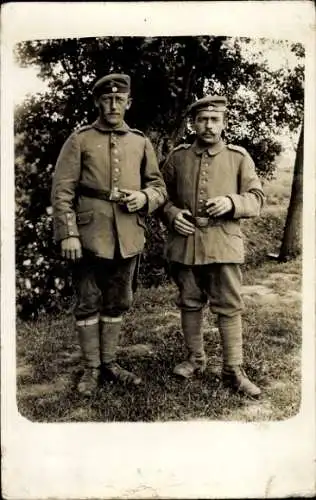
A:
(123, 129)
(212, 151)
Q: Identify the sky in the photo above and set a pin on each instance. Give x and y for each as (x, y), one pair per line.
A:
(25, 81)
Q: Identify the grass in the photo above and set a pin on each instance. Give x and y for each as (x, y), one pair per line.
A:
(48, 354)
(271, 336)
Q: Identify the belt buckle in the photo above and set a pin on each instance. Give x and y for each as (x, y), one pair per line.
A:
(202, 221)
(115, 195)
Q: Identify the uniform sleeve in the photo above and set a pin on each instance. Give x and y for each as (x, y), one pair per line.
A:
(170, 210)
(249, 201)
(65, 181)
(152, 182)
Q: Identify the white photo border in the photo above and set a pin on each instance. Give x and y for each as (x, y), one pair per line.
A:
(159, 460)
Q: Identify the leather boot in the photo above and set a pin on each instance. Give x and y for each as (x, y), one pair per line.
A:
(110, 329)
(233, 375)
(236, 378)
(88, 332)
(191, 322)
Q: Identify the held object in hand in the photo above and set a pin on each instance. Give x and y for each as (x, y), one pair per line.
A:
(189, 217)
(116, 195)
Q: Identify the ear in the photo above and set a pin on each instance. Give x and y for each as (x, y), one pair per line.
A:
(191, 121)
(96, 102)
(129, 103)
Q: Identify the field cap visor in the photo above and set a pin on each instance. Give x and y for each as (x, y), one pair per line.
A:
(208, 103)
(112, 84)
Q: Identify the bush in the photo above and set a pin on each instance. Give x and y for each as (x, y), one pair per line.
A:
(262, 235)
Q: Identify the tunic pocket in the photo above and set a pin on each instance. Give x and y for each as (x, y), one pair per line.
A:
(232, 229)
(141, 221)
(84, 217)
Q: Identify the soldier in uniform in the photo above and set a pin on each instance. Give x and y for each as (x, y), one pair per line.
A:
(106, 180)
(211, 186)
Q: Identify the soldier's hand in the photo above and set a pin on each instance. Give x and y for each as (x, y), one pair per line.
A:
(71, 248)
(220, 205)
(182, 225)
(134, 200)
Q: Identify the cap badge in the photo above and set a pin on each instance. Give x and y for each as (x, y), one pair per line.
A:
(114, 89)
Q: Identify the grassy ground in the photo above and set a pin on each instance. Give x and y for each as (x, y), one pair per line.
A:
(49, 365)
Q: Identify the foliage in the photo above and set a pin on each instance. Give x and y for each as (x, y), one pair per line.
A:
(167, 74)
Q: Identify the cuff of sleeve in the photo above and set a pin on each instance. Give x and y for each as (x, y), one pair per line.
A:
(172, 214)
(237, 212)
(154, 199)
(145, 209)
(65, 226)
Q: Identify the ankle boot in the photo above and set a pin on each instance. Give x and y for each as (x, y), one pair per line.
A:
(88, 332)
(191, 322)
(236, 378)
(110, 330)
(233, 375)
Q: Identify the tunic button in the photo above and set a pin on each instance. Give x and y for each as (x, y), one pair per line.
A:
(71, 233)
(116, 170)
(115, 151)
(116, 160)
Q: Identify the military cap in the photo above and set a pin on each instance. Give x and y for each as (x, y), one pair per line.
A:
(111, 84)
(209, 103)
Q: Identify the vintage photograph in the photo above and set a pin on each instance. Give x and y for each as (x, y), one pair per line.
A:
(158, 228)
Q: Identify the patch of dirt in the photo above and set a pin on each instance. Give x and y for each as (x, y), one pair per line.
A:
(24, 371)
(253, 410)
(256, 290)
(37, 390)
(138, 350)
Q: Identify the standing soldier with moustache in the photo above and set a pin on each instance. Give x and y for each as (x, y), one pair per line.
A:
(211, 186)
(106, 180)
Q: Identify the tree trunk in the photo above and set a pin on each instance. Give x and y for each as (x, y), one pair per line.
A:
(291, 245)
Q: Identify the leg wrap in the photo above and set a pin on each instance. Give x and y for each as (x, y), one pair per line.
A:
(109, 337)
(230, 329)
(88, 333)
(191, 322)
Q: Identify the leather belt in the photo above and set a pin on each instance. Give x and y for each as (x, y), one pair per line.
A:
(114, 195)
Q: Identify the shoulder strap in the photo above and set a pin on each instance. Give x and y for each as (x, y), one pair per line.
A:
(239, 149)
(181, 146)
(138, 132)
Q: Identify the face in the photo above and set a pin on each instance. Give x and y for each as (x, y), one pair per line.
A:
(209, 125)
(112, 107)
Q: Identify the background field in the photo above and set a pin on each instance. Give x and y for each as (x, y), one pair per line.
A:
(48, 357)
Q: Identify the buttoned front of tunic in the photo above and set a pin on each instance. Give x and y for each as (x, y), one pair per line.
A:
(106, 159)
(193, 175)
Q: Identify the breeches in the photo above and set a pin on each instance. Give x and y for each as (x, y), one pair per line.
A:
(103, 286)
(218, 284)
